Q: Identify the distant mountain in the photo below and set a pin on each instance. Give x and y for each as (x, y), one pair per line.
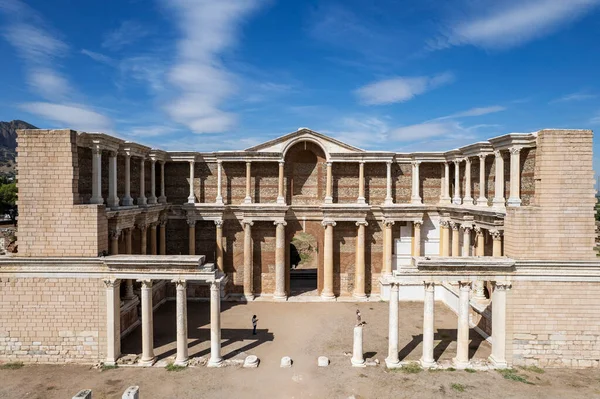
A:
(8, 144)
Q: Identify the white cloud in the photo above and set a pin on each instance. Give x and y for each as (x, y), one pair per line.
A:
(510, 23)
(76, 117)
(400, 89)
(208, 28)
(478, 111)
(98, 57)
(424, 131)
(127, 33)
(574, 97)
(34, 44)
(149, 131)
(360, 130)
(48, 83)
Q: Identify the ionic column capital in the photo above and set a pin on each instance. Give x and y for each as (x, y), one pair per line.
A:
(191, 222)
(146, 283)
(388, 222)
(457, 162)
(468, 161)
(326, 223)
(141, 226)
(153, 225)
(444, 223)
(115, 233)
(112, 282)
(515, 150)
(215, 286)
(415, 163)
(417, 223)
(219, 222)
(192, 161)
(454, 226)
(278, 222)
(281, 162)
(482, 157)
(464, 285)
(163, 222)
(180, 284)
(329, 164)
(219, 162)
(466, 227)
(502, 285)
(248, 222)
(362, 223)
(498, 153)
(478, 230)
(496, 235)
(429, 285)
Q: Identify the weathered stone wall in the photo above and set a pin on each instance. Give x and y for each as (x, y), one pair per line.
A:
(559, 224)
(47, 320)
(553, 324)
(527, 176)
(49, 210)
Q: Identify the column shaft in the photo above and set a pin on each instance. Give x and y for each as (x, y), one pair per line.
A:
(113, 200)
(143, 240)
(163, 198)
(462, 334)
(192, 237)
(498, 356)
(468, 200)
(466, 240)
(455, 240)
(499, 181)
(361, 183)
(248, 198)
(515, 177)
(163, 238)
(192, 196)
(480, 249)
(97, 177)
(388, 245)
(416, 196)
(388, 184)
(417, 238)
(127, 200)
(128, 244)
(248, 264)
(114, 242)
(182, 324)
(153, 239)
(392, 359)
(446, 237)
(280, 293)
(280, 194)
(327, 292)
(427, 359)
(152, 198)
(482, 200)
(329, 184)
(219, 246)
(219, 198)
(113, 321)
(215, 326)
(447, 198)
(359, 273)
(457, 200)
(148, 357)
(497, 242)
(142, 197)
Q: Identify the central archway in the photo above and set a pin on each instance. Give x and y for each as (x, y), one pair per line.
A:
(305, 172)
(304, 264)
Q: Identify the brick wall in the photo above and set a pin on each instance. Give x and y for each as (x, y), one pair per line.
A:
(51, 221)
(559, 224)
(553, 324)
(52, 320)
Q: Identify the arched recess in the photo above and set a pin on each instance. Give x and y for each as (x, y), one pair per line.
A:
(305, 171)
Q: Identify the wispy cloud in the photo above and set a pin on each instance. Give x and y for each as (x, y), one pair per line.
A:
(208, 28)
(70, 116)
(478, 111)
(127, 33)
(510, 23)
(400, 89)
(101, 58)
(580, 96)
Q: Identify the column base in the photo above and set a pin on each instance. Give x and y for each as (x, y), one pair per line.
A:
(248, 297)
(329, 200)
(482, 201)
(280, 297)
(360, 297)
(127, 201)
(219, 201)
(416, 201)
(393, 363)
(191, 200)
(358, 363)
(468, 201)
(361, 200)
(280, 200)
(388, 201)
(141, 201)
(514, 202)
(445, 200)
(147, 363)
(457, 201)
(427, 364)
(162, 200)
(112, 202)
(215, 362)
(460, 365)
(498, 364)
(151, 200)
(498, 203)
(181, 363)
(247, 200)
(97, 201)
(328, 297)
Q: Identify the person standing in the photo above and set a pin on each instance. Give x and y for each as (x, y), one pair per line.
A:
(254, 323)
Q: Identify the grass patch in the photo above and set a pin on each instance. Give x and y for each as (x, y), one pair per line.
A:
(534, 369)
(512, 374)
(471, 371)
(458, 387)
(109, 367)
(11, 366)
(450, 369)
(411, 368)
(174, 367)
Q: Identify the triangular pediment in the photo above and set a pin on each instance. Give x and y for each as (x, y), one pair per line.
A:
(280, 144)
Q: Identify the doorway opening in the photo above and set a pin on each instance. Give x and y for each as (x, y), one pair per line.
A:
(303, 264)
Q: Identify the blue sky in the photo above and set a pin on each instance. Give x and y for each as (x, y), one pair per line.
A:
(228, 74)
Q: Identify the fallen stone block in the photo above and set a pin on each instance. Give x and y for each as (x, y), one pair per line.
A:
(84, 394)
(131, 393)
(286, 362)
(251, 361)
(323, 361)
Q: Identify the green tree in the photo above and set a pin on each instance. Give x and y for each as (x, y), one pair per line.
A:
(8, 200)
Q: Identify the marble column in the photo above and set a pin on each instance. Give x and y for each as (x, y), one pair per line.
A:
(191, 237)
(248, 198)
(461, 361)
(417, 237)
(113, 199)
(192, 196)
(163, 237)
(153, 239)
(388, 184)
(447, 198)
(143, 239)
(152, 199)
(443, 227)
(478, 291)
(446, 239)
(114, 241)
(113, 321)
(455, 239)
(361, 183)
(466, 239)
(480, 247)
(182, 357)
(358, 359)
(497, 242)
(280, 187)
(148, 357)
(127, 200)
(514, 198)
(457, 200)
(388, 247)
(498, 356)
(142, 197)
(359, 273)
(329, 184)
(499, 200)
(215, 326)
(219, 246)
(327, 293)
(97, 176)
(392, 360)
(427, 359)
(482, 200)
(219, 198)
(442, 183)
(468, 199)
(280, 293)
(416, 196)
(163, 198)
(128, 241)
(248, 264)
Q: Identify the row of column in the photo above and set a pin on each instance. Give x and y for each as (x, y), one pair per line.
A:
(219, 240)
(498, 200)
(113, 200)
(148, 358)
(450, 239)
(115, 235)
(461, 360)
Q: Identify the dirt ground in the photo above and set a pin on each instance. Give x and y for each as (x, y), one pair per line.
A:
(302, 331)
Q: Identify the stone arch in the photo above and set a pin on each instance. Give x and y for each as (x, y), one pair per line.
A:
(305, 173)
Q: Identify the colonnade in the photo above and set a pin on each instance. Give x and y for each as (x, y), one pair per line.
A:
(461, 360)
(157, 247)
(113, 200)
(148, 357)
(450, 239)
